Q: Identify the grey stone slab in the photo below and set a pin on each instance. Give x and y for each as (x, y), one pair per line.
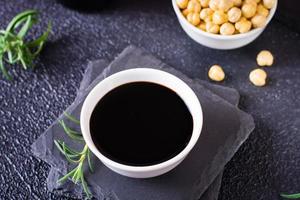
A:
(93, 70)
(222, 135)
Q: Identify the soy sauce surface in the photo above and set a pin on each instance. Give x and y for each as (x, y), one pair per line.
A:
(141, 124)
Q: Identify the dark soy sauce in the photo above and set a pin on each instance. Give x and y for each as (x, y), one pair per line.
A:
(141, 123)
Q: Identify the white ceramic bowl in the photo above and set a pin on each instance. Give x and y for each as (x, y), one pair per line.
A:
(216, 41)
(136, 75)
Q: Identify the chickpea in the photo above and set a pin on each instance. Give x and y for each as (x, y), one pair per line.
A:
(204, 3)
(219, 17)
(251, 1)
(236, 32)
(202, 26)
(243, 19)
(194, 6)
(249, 10)
(216, 73)
(225, 5)
(258, 77)
(261, 10)
(269, 3)
(258, 21)
(234, 14)
(205, 13)
(265, 58)
(208, 19)
(227, 29)
(193, 18)
(212, 28)
(185, 12)
(243, 25)
(182, 3)
(237, 3)
(213, 4)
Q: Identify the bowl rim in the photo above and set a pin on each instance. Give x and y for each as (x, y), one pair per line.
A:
(218, 36)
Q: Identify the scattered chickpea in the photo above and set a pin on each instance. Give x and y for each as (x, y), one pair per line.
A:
(258, 21)
(182, 3)
(204, 3)
(216, 73)
(204, 13)
(225, 5)
(265, 58)
(258, 77)
(249, 10)
(194, 6)
(193, 18)
(261, 10)
(212, 28)
(227, 29)
(269, 3)
(243, 25)
(234, 14)
(219, 17)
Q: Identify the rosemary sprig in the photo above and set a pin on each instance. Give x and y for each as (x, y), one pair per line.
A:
(291, 196)
(75, 157)
(13, 47)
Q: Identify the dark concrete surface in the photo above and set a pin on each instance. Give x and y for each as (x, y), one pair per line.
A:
(267, 164)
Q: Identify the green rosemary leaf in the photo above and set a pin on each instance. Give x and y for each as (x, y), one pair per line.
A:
(67, 151)
(27, 25)
(58, 144)
(71, 133)
(65, 177)
(90, 161)
(291, 196)
(3, 70)
(71, 118)
(21, 57)
(28, 55)
(23, 21)
(71, 151)
(10, 56)
(76, 175)
(73, 157)
(70, 157)
(63, 124)
(85, 188)
(19, 19)
(40, 41)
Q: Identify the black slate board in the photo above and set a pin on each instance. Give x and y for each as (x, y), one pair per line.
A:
(93, 70)
(196, 173)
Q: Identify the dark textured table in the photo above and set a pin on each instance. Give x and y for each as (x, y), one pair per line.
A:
(267, 164)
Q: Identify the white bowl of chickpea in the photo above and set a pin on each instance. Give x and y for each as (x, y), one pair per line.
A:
(224, 24)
